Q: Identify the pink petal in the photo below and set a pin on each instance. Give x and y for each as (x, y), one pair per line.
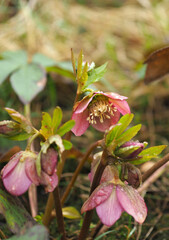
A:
(49, 161)
(83, 104)
(107, 123)
(11, 164)
(50, 182)
(121, 105)
(99, 195)
(31, 172)
(110, 210)
(132, 202)
(17, 182)
(113, 96)
(81, 123)
(108, 174)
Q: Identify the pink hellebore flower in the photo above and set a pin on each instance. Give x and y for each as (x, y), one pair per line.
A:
(101, 110)
(110, 200)
(14, 174)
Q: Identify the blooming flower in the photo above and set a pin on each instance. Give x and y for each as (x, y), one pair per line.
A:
(99, 109)
(111, 199)
(20, 172)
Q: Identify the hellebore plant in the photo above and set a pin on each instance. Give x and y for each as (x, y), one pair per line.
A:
(114, 176)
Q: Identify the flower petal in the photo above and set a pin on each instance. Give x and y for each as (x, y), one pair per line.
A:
(132, 202)
(99, 195)
(50, 182)
(110, 210)
(83, 104)
(49, 161)
(113, 96)
(11, 164)
(107, 123)
(81, 123)
(31, 172)
(121, 105)
(17, 182)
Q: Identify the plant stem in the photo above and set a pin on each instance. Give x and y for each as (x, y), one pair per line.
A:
(156, 166)
(59, 214)
(88, 217)
(78, 169)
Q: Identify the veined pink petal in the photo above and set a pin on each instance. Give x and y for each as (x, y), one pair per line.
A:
(107, 175)
(49, 161)
(11, 164)
(81, 123)
(132, 202)
(98, 196)
(121, 105)
(17, 182)
(82, 105)
(50, 182)
(110, 210)
(107, 123)
(113, 95)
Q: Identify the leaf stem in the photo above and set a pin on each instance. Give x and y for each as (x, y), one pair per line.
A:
(88, 216)
(78, 169)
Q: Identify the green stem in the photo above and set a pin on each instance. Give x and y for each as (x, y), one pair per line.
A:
(78, 169)
(97, 177)
(59, 214)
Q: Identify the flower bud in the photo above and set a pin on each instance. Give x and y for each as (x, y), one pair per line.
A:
(49, 160)
(9, 128)
(132, 175)
(130, 150)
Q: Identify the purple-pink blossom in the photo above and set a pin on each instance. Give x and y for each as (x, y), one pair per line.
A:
(101, 110)
(111, 199)
(20, 172)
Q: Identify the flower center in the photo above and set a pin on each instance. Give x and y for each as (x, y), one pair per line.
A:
(100, 108)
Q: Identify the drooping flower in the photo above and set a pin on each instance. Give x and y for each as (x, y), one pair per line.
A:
(111, 199)
(20, 172)
(101, 110)
(14, 174)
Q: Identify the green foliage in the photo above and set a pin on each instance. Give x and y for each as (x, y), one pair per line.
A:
(34, 233)
(71, 213)
(15, 214)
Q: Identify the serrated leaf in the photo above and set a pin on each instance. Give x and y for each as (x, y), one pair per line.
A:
(67, 144)
(28, 81)
(119, 128)
(37, 232)
(148, 154)
(57, 118)
(128, 135)
(15, 214)
(66, 127)
(71, 213)
(43, 60)
(95, 75)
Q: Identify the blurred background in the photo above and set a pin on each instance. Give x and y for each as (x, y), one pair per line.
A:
(120, 32)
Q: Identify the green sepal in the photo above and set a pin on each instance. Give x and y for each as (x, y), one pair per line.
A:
(67, 145)
(71, 213)
(66, 127)
(148, 154)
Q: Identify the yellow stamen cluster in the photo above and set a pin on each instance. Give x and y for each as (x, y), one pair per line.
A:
(100, 108)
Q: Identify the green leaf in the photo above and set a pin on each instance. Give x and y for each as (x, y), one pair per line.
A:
(57, 118)
(37, 232)
(128, 135)
(95, 75)
(119, 128)
(73, 62)
(67, 144)
(53, 139)
(28, 81)
(43, 60)
(126, 151)
(63, 69)
(71, 213)
(148, 154)
(20, 136)
(6, 68)
(46, 123)
(20, 57)
(15, 214)
(66, 127)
